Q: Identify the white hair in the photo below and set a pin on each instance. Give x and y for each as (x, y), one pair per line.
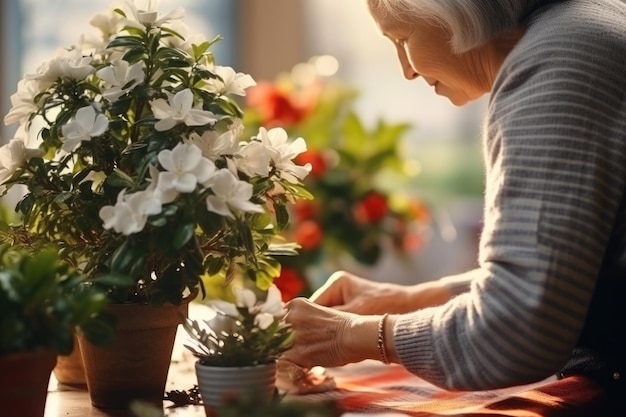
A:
(470, 22)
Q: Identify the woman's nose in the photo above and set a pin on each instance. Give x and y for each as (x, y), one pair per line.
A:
(407, 68)
(409, 72)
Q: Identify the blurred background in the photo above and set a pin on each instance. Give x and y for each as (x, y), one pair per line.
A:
(438, 156)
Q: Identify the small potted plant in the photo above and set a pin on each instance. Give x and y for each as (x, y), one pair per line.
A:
(238, 346)
(43, 302)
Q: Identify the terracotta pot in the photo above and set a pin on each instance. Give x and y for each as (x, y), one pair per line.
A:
(24, 379)
(136, 364)
(218, 384)
(69, 369)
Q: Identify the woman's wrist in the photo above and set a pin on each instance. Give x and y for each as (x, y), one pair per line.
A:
(379, 344)
(370, 337)
(388, 339)
(428, 294)
(381, 339)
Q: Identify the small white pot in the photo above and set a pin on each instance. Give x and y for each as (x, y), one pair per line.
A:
(217, 384)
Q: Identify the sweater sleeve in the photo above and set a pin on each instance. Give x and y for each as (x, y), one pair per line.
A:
(458, 284)
(555, 155)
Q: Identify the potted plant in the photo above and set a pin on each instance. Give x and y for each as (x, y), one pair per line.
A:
(237, 347)
(141, 170)
(42, 302)
(363, 208)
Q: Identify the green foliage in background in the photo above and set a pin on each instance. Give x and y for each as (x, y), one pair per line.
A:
(43, 301)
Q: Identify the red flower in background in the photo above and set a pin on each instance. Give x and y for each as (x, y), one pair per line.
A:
(309, 235)
(412, 242)
(290, 283)
(306, 210)
(371, 209)
(275, 106)
(317, 161)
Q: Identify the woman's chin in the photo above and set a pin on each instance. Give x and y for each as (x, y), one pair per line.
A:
(458, 99)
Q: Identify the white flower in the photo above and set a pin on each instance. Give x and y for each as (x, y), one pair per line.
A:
(185, 168)
(130, 213)
(229, 193)
(283, 153)
(215, 145)
(178, 109)
(187, 40)
(14, 155)
(86, 125)
(121, 77)
(245, 298)
(263, 320)
(274, 303)
(71, 64)
(162, 194)
(264, 313)
(90, 44)
(22, 102)
(109, 24)
(254, 159)
(273, 308)
(231, 82)
(149, 16)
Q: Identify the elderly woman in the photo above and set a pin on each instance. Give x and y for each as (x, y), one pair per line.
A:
(549, 295)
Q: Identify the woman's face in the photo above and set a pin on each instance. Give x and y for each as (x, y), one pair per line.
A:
(423, 50)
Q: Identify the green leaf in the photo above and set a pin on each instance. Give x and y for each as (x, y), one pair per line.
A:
(282, 217)
(123, 257)
(119, 179)
(245, 236)
(282, 249)
(120, 107)
(183, 235)
(113, 280)
(214, 264)
(172, 32)
(199, 50)
(134, 55)
(120, 12)
(62, 197)
(177, 63)
(229, 106)
(126, 42)
(41, 267)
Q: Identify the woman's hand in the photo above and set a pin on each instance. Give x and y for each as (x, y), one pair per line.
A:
(347, 292)
(329, 337)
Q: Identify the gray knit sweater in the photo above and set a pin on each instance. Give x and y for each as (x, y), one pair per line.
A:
(554, 242)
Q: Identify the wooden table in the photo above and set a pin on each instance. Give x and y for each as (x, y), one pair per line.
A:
(366, 389)
(66, 401)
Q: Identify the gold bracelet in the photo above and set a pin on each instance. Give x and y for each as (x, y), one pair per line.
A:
(381, 339)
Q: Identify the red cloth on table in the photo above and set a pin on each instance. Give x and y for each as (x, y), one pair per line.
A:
(370, 387)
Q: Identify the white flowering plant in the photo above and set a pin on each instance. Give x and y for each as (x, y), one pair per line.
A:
(130, 147)
(246, 333)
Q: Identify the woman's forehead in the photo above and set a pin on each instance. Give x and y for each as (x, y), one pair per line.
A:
(389, 22)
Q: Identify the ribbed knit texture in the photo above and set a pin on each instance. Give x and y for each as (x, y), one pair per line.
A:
(555, 156)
